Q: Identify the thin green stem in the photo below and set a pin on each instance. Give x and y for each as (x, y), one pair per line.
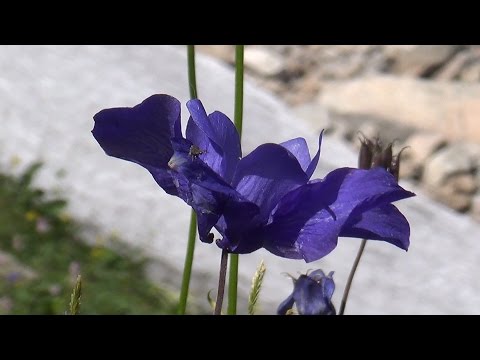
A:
(238, 118)
(192, 79)
(187, 268)
(192, 233)
(350, 277)
(232, 285)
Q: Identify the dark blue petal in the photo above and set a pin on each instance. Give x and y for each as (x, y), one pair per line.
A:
(200, 118)
(222, 152)
(140, 134)
(209, 195)
(317, 275)
(312, 295)
(266, 175)
(313, 164)
(193, 168)
(385, 223)
(328, 286)
(286, 305)
(207, 205)
(299, 148)
(169, 181)
(308, 220)
(241, 228)
(214, 206)
(309, 297)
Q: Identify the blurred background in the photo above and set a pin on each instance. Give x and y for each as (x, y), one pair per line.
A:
(81, 211)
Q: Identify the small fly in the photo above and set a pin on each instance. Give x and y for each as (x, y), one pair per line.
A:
(195, 151)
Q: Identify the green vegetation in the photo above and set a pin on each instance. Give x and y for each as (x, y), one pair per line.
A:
(36, 233)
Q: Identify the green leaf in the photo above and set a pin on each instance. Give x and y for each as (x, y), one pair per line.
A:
(28, 175)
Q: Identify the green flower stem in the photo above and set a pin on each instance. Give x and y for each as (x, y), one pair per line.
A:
(192, 79)
(187, 269)
(232, 285)
(238, 117)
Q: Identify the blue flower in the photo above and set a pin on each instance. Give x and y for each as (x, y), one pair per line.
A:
(312, 294)
(265, 199)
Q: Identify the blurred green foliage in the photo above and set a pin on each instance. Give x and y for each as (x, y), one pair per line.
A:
(37, 232)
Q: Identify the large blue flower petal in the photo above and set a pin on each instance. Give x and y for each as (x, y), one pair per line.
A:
(217, 137)
(385, 223)
(266, 175)
(299, 148)
(308, 220)
(142, 135)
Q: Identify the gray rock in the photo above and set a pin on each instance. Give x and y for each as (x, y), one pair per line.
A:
(417, 60)
(345, 61)
(349, 126)
(472, 152)
(475, 210)
(463, 183)
(471, 73)
(303, 90)
(316, 115)
(456, 191)
(448, 108)
(453, 68)
(408, 169)
(223, 52)
(446, 162)
(262, 61)
(48, 96)
(370, 131)
(449, 175)
(421, 146)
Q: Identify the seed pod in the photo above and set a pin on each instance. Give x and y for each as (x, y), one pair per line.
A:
(365, 154)
(372, 154)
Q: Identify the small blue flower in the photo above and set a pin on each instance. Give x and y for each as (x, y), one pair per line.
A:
(312, 294)
(265, 199)
(14, 277)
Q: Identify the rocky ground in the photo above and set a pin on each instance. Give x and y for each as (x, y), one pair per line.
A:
(426, 97)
